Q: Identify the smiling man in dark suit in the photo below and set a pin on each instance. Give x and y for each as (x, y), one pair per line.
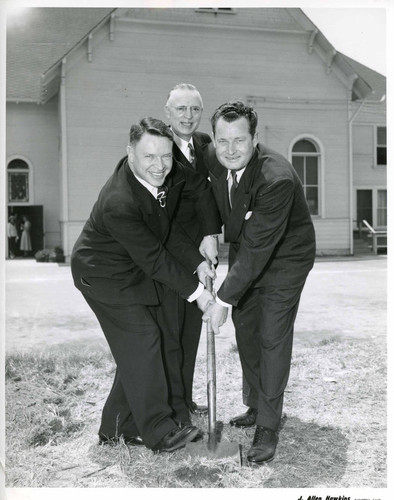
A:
(130, 262)
(201, 222)
(272, 249)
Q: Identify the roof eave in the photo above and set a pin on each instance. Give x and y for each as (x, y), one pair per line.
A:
(51, 78)
(333, 60)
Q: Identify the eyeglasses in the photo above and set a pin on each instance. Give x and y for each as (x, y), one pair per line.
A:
(181, 110)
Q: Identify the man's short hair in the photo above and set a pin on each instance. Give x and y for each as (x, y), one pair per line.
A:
(183, 86)
(152, 126)
(231, 111)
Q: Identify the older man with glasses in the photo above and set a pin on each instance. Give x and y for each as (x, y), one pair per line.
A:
(199, 218)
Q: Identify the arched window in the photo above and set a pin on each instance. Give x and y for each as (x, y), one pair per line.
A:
(18, 181)
(305, 159)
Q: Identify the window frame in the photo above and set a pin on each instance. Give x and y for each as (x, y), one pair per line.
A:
(377, 145)
(319, 155)
(380, 208)
(374, 189)
(29, 172)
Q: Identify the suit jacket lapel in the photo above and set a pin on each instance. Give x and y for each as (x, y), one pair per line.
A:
(179, 156)
(236, 218)
(243, 198)
(156, 217)
(174, 193)
(138, 190)
(199, 149)
(220, 189)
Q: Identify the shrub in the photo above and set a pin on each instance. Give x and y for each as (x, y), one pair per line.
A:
(42, 255)
(45, 255)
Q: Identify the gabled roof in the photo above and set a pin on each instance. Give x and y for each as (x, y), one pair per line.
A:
(37, 45)
(375, 80)
(40, 40)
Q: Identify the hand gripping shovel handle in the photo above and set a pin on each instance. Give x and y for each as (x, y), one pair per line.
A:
(211, 378)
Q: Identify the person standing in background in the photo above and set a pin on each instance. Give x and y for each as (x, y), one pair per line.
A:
(13, 237)
(25, 245)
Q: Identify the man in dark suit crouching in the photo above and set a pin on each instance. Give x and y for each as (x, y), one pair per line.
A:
(272, 249)
(130, 262)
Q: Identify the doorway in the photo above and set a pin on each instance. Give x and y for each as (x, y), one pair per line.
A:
(35, 215)
(364, 206)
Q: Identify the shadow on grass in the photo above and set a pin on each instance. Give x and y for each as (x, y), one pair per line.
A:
(308, 455)
(200, 476)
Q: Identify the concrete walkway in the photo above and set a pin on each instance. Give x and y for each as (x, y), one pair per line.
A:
(342, 298)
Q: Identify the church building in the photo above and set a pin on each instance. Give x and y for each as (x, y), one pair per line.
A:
(77, 78)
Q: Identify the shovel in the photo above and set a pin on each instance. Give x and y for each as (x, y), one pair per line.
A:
(214, 448)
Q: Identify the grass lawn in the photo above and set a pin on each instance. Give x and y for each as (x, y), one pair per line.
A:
(333, 432)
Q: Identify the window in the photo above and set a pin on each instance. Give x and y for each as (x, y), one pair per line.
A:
(382, 207)
(372, 207)
(381, 146)
(18, 181)
(305, 159)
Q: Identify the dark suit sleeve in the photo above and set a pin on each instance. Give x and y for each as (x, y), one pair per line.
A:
(148, 252)
(199, 190)
(183, 248)
(212, 163)
(261, 234)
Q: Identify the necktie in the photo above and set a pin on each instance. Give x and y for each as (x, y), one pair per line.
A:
(234, 186)
(162, 195)
(192, 155)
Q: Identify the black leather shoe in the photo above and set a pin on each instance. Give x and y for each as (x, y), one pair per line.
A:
(263, 446)
(199, 435)
(132, 440)
(196, 409)
(245, 419)
(175, 439)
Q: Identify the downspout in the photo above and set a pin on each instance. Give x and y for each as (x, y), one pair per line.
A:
(350, 149)
(63, 161)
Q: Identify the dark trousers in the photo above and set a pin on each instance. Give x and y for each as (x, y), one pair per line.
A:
(191, 332)
(12, 247)
(264, 325)
(147, 396)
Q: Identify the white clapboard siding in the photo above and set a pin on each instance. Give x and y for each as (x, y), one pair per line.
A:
(366, 172)
(332, 236)
(34, 129)
(256, 55)
(129, 78)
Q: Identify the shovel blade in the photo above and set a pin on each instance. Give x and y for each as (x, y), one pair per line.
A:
(220, 450)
